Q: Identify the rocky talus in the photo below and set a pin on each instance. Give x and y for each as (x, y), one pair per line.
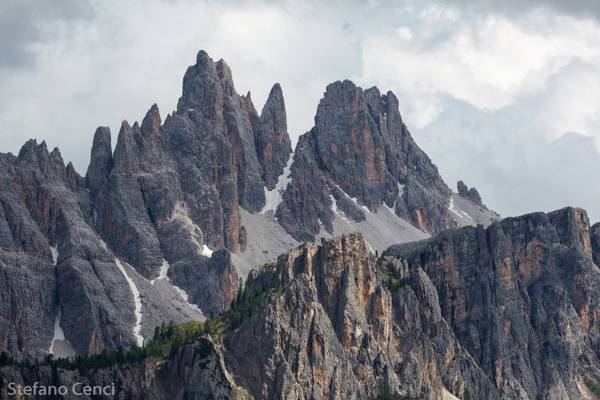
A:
(522, 297)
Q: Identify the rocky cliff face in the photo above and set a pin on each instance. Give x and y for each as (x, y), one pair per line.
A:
(507, 312)
(339, 324)
(595, 238)
(142, 225)
(521, 297)
(361, 154)
(58, 276)
(186, 179)
(340, 330)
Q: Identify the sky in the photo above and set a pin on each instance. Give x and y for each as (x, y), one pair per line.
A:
(503, 95)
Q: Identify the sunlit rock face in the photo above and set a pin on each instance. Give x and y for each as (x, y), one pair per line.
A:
(521, 297)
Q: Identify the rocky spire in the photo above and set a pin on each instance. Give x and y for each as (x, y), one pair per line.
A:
(273, 142)
(126, 157)
(101, 160)
(360, 149)
(151, 122)
(203, 88)
(469, 193)
(37, 155)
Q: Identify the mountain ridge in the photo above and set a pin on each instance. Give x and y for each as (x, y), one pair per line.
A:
(332, 269)
(174, 199)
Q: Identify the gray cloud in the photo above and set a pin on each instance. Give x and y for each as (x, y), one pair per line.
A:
(577, 8)
(21, 23)
(506, 155)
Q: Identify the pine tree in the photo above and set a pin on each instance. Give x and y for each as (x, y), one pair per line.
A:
(4, 360)
(171, 329)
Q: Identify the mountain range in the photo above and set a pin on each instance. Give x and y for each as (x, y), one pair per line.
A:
(344, 267)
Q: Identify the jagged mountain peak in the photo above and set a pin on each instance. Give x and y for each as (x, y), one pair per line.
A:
(31, 149)
(179, 202)
(49, 164)
(101, 159)
(152, 122)
(205, 84)
(360, 150)
(469, 193)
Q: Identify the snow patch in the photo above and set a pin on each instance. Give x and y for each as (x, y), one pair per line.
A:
(206, 251)
(162, 273)
(59, 334)
(453, 209)
(54, 251)
(137, 328)
(400, 189)
(274, 197)
(371, 249)
(390, 209)
(103, 244)
(446, 395)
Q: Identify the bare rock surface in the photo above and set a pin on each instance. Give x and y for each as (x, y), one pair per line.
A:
(521, 297)
(360, 150)
(339, 330)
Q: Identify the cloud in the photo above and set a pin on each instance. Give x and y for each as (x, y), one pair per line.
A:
(486, 62)
(508, 155)
(576, 8)
(21, 26)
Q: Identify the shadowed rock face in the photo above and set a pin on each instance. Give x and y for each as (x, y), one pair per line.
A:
(53, 264)
(359, 145)
(595, 237)
(521, 296)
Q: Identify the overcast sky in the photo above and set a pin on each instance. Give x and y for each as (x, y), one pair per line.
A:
(506, 97)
